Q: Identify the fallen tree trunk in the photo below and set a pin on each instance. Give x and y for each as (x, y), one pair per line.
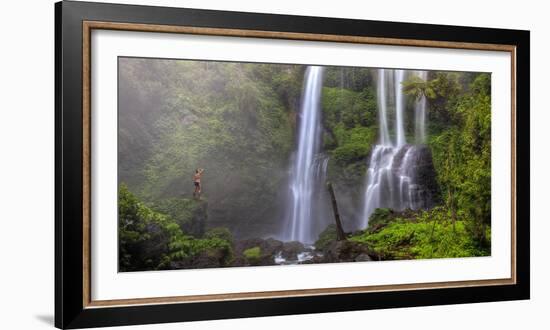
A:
(340, 235)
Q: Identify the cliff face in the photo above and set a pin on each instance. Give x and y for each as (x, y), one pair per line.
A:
(426, 177)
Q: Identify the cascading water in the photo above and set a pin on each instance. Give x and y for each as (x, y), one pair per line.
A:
(399, 108)
(382, 108)
(307, 166)
(398, 175)
(420, 113)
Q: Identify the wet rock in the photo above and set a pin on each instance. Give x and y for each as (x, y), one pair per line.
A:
(272, 246)
(421, 169)
(363, 257)
(326, 237)
(346, 251)
(290, 250)
(268, 250)
(411, 183)
(267, 246)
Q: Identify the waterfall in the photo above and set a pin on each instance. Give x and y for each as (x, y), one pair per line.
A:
(399, 175)
(420, 113)
(382, 106)
(307, 167)
(380, 179)
(399, 108)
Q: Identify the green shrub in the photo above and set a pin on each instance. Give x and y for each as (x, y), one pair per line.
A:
(144, 234)
(348, 107)
(189, 214)
(149, 240)
(353, 144)
(219, 232)
(431, 235)
(350, 152)
(253, 255)
(186, 248)
(380, 217)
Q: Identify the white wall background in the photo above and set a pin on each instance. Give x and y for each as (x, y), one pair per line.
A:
(27, 168)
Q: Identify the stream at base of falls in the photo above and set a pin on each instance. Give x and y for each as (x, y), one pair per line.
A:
(302, 257)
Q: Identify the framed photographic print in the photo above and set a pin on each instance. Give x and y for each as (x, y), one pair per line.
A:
(218, 164)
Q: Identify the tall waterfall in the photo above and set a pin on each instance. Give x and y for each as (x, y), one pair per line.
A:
(398, 174)
(308, 165)
(399, 108)
(420, 113)
(382, 108)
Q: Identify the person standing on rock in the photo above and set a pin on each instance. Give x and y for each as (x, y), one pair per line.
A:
(197, 181)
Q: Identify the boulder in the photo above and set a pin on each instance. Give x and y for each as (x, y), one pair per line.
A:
(363, 257)
(290, 250)
(346, 251)
(268, 246)
(268, 249)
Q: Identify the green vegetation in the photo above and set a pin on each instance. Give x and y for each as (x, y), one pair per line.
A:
(326, 237)
(380, 218)
(238, 120)
(151, 240)
(234, 119)
(460, 140)
(429, 234)
(253, 255)
(462, 155)
(350, 121)
(220, 233)
(189, 214)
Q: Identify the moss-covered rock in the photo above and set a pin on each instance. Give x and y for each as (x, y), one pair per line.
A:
(290, 250)
(346, 251)
(268, 249)
(424, 235)
(253, 255)
(381, 217)
(219, 232)
(190, 214)
(326, 237)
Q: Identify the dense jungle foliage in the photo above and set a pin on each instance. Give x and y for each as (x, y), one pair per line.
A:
(238, 121)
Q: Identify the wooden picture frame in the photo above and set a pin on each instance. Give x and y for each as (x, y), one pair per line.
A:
(74, 307)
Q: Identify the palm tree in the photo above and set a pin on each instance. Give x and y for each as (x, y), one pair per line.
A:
(419, 87)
